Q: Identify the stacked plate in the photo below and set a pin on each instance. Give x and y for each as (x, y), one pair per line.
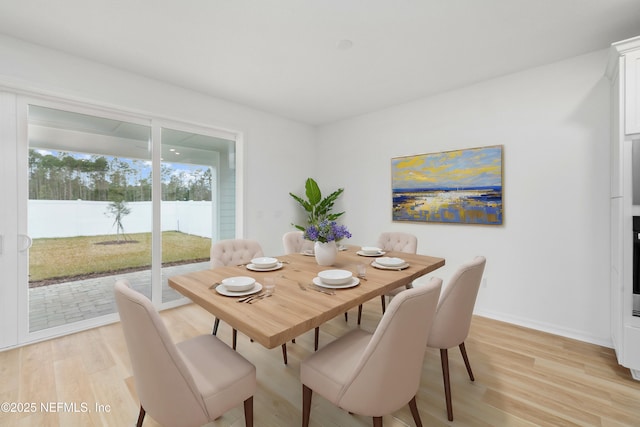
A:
(264, 264)
(370, 251)
(238, 286)
(335, 279)
(390, 263)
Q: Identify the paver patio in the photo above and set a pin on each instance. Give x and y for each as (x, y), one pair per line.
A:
(69, 302)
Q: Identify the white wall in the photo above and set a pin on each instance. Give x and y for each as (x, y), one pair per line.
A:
(275, 148)
(547, 266)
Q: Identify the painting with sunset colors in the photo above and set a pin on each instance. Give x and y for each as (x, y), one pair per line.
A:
(460, 186)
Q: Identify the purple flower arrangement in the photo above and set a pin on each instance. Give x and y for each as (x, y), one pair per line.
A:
(326, 231)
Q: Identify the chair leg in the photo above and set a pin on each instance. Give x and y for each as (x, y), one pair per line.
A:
(359, 313)
(444, 359)
(306, 405)
(216, 323)
(234, 338)
(317, 339)
(384, 303)
(414, 411)
(248, 412)
(141, 416)
(463, 350)
(346, 316)
(284, 353)
(377, 421)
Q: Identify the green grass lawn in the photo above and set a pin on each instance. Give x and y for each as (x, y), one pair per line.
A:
(87, 255)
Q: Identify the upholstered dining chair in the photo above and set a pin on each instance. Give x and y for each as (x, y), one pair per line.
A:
(295, 243)
(375, 374)
(453, 319)
(237, 252)
(233, 252)
(186, 384)
(399, 242)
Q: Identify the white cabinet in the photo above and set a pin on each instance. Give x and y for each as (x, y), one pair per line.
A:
(624, 73)
(632, 92)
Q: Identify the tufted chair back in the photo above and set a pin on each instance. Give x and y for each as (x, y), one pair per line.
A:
(295, 243)
(398, 241)
(234, 252)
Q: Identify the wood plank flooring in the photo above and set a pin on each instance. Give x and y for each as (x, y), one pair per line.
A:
(523, 378)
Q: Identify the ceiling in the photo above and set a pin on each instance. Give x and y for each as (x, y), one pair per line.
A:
(291, 58)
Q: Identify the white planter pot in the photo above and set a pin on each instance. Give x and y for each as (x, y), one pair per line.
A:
(325, 253)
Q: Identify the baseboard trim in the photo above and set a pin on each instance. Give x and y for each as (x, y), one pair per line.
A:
(552, 329)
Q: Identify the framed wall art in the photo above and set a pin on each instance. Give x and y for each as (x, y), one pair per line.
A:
(459, 186)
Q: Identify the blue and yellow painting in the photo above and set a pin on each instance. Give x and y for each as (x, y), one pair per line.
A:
(461, 186)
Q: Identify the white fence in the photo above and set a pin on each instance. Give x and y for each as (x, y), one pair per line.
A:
(69, 218)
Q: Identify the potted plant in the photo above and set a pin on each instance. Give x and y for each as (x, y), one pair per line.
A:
(321, 226)
(315, 205)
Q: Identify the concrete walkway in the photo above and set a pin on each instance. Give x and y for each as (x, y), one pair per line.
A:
(63, 303)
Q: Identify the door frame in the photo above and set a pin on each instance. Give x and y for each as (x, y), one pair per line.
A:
(17, 296)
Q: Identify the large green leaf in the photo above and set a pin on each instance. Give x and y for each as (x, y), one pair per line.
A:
(307, 207)
(313, 191)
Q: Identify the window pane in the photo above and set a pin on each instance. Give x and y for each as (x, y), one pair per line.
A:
(198, 200)
(89, 214)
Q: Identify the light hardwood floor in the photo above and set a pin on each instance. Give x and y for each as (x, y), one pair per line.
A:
(523, 378)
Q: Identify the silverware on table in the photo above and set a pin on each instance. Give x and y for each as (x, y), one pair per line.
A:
(323, 290)
(250, 297)
(260, 297)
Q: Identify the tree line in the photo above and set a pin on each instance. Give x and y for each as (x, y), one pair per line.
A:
(68, 176)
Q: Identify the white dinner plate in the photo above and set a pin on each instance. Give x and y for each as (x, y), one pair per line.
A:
(252, 267)
(308, 252)
(385, 267)
(222, 290)
(391, 261)
(264, 262)
(335, 277)
(354, 282)
(370, 254)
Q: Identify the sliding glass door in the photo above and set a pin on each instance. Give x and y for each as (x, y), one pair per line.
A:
(107, 196)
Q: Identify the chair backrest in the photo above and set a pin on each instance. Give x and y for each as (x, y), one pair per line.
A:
(295, 243)
(387, 376)
(234, 252)
(165, 387)
(398, 241)
(455, 308)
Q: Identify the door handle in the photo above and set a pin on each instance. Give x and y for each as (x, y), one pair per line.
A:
(26, 242)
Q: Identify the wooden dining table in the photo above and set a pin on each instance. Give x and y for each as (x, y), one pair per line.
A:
(291, 310)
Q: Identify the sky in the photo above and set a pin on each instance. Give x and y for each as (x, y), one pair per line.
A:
(475, 167)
